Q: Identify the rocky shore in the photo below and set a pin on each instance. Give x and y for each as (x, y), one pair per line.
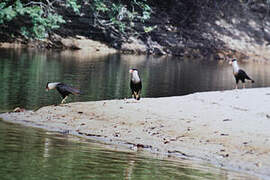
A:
(229, 129)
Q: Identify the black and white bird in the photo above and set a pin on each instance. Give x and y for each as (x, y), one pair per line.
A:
(63, 89)
(135, 83)
(239, 74)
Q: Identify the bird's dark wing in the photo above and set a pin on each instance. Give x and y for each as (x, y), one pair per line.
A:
(243, 74)
(140, 85)
(63, 88)
(132, 87)
(135, 87)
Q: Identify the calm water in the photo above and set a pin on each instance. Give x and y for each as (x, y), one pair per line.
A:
(24, 74)
(31, 154)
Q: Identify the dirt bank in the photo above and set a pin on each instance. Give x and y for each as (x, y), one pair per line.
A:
(227, 128)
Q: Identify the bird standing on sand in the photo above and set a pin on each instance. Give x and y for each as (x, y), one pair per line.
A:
(135, 83)
(239, 74)
(63, 89)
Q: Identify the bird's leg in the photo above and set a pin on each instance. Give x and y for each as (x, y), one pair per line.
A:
(135, 95)
(64, 100)
(138, 95)
(236, 86)
(244, 86)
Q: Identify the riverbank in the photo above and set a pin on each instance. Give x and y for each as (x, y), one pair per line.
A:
(227, 128)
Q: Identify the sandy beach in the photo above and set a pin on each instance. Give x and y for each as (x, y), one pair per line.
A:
(229, 129)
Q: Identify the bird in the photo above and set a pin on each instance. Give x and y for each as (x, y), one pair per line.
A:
(135, 84)
(239, 74)
(63, 89)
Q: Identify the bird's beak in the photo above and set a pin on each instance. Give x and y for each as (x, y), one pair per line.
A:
(230, 62)
(130, 71)
(47, 89)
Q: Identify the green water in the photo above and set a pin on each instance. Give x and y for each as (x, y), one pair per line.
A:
(24, 74)
(29, 154)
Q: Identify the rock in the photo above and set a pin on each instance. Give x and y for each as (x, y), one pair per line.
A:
(154, 47)
(134, 45)
(223, 134)
(258, 164)
(18, 109)
(82, 43)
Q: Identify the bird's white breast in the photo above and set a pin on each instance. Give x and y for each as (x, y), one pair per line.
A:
(235, 67)
(135, 77)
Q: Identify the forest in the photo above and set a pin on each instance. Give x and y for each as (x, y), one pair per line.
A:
(174, 27)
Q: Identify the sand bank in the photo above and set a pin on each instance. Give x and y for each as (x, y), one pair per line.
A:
(230, 129)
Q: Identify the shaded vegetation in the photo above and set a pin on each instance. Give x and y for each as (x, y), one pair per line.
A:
(39, 18)
(36, 19)
(164, 27)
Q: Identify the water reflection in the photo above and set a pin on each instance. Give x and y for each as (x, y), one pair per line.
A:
(24, 74)
(28, 153)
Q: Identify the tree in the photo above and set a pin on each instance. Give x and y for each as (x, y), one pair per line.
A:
(39, 18)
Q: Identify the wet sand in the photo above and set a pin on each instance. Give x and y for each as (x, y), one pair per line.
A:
(229, 129)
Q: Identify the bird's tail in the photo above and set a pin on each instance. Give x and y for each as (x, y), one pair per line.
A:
(75, 91)
(252, 81)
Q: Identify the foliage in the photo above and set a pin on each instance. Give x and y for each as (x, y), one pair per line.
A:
(149, 29)
(43, 16)
(120, 16)
(73, 4)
